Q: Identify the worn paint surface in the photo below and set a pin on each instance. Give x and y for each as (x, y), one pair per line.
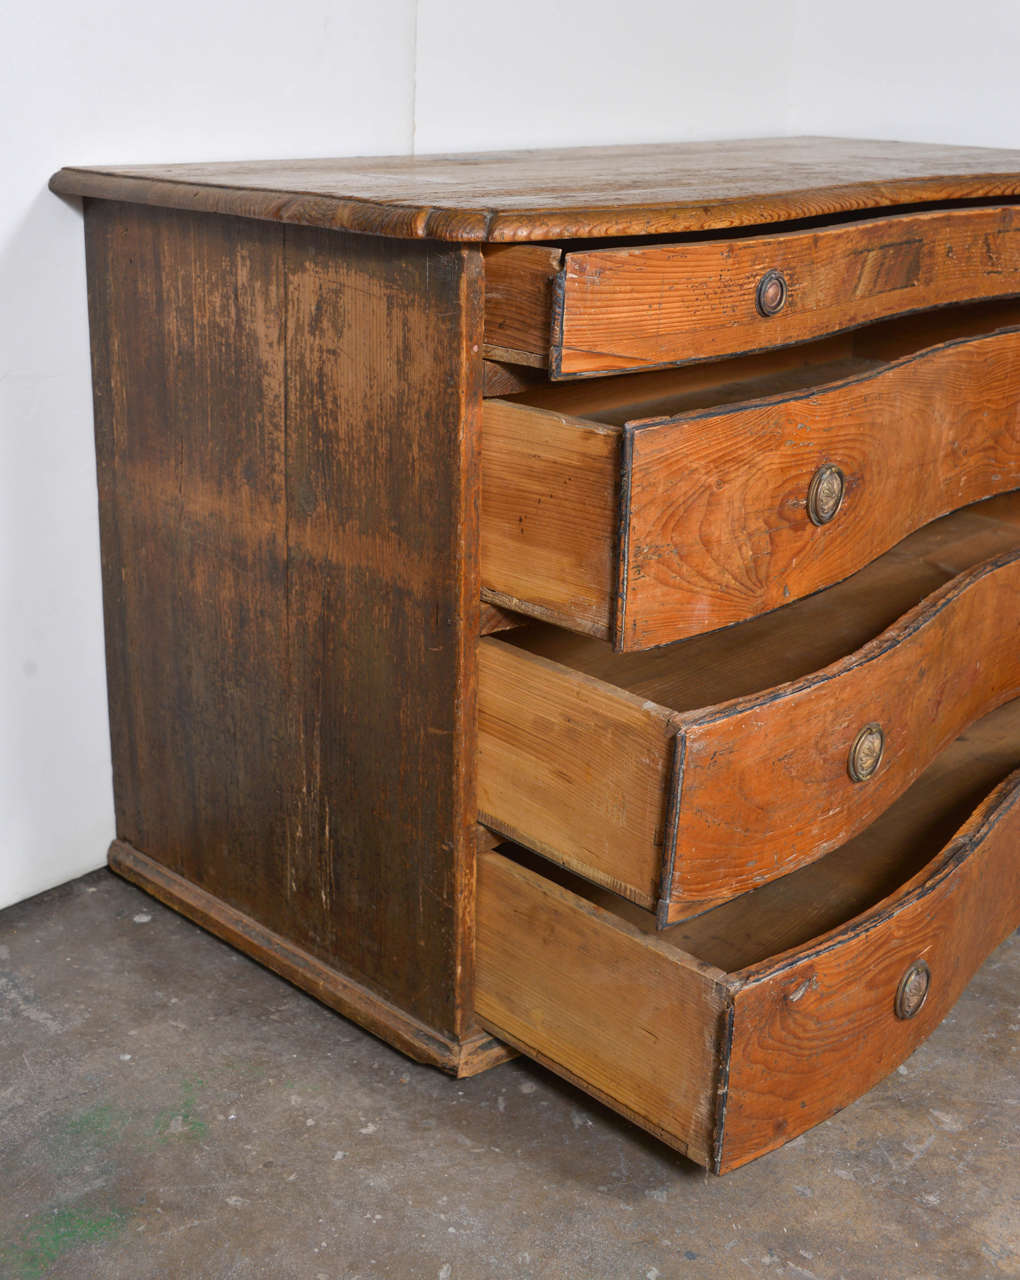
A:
(168, 1108)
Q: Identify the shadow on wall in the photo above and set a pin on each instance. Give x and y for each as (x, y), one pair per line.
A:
(56, 812)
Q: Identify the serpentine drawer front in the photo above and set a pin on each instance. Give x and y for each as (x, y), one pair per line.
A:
(609, 310)
(569, 601)
(731, 1035)
(674, 514)
(686, 776)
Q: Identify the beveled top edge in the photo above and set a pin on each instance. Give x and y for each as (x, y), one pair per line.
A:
(569, 193)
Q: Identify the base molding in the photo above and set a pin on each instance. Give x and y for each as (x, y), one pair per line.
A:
(474, 1053)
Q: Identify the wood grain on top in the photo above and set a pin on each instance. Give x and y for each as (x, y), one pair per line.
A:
(569, 193)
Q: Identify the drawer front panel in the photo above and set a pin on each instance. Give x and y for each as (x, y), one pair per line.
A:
(638, 307)
(658, 777)
(773, 781)
(812, 1032)
(728, 1066)
(721, 511)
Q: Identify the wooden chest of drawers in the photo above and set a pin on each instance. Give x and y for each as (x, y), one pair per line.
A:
(571, 600)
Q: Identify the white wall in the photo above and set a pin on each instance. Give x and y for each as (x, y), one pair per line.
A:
(119, 82)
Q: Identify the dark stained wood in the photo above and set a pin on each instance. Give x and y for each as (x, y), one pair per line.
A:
(691, 773)
(575, 193)
(734, 1032)
(286, 442)
(647, 305)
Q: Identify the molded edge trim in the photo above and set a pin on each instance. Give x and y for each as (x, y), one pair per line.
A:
(505, 226)
(475, 1052)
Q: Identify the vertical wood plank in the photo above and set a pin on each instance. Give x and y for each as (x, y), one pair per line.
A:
(286, 428)
(383, 601)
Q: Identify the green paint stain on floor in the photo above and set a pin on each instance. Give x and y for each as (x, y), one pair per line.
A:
(182, 1119)
(98, 1126)
(49, 1235)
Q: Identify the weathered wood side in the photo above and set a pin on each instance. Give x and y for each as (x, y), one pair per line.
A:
(656, 304)
(816, 1029)
(717, 527)
(286, 434)
(631, 1020)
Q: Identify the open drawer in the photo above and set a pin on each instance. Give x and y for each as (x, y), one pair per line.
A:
(730, 1034)
(683, 776)
(659, 506)
(587, 311)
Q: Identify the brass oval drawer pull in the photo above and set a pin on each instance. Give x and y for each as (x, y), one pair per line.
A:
(866, 753)
(771, 294)
(825, 494)
(913, 990)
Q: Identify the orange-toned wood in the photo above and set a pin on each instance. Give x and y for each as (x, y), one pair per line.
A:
(633, 1021)
(709, 524)
(573, 767)
(720, 786)
(717, 525)
(493, 619)
(648, 305)
(814, 1030)
(780, 1007)
(617, 400)
(548, 509)
(565, 193)
(765, 783)
(518, 301)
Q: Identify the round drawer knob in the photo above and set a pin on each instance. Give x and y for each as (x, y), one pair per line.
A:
(825, 494)
(866, 753)
(771, 293)
(913, 990)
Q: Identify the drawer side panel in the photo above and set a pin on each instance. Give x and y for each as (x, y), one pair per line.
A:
(548, 515)
(615, 1012)
(573, 768)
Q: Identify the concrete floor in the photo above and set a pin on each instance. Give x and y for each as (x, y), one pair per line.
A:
(170, 1109)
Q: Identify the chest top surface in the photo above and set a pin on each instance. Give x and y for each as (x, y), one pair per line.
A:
(575, 193)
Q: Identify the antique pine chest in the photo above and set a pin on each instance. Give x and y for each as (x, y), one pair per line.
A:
(569, 601)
